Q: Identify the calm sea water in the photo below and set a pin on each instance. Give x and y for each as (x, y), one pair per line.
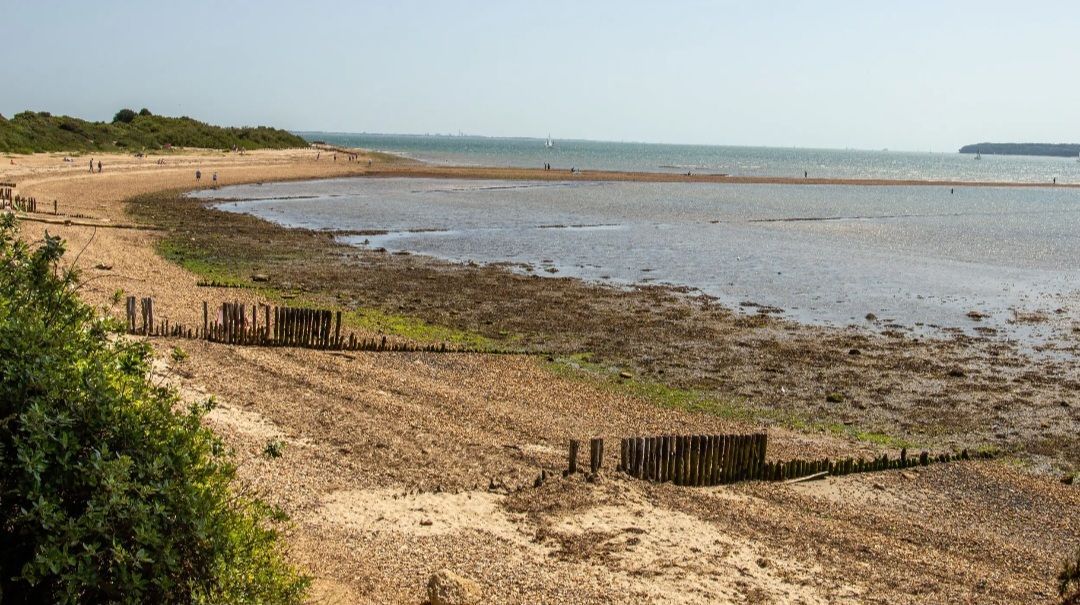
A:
(918, 257)
(741, 161)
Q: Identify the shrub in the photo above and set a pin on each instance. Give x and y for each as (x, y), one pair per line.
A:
(108, 492)
(274, 448)
(145, 112)
(124, 115)
(1069, 581)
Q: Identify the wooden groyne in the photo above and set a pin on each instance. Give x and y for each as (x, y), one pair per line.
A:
(705, 460)
(273, 326)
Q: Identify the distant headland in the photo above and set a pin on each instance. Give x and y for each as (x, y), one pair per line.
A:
(1052, 149)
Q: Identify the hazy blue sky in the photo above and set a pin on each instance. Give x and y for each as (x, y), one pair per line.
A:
(903, 75)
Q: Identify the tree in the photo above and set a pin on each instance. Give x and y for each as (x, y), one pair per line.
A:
(145, 112)
(124, 115)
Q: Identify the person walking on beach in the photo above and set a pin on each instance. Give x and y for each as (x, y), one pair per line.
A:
(91, 164)
(804, 173)
(198, 175)
(215, 178)
(98, 166)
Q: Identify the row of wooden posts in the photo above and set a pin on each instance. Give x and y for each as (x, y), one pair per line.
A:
(266, 325)
(19, 203)
(702, 460)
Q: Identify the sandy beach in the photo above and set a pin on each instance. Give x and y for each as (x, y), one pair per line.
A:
(399, 464)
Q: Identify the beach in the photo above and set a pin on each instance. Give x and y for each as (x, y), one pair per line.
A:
(399, 464)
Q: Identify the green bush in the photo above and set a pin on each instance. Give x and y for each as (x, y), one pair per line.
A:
(108, 493)
(1069, 581)
(124, 115)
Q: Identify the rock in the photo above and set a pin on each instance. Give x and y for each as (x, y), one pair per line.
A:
(448, 588)
(956, 373)
(854, 352)
(626, 375)
(259, 277)
(103, 266)
(871, 317)
(1068, 479)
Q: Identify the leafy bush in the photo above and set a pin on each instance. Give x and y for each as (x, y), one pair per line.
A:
(124, 115)
(108, 493)
(1069, 581)
(145, 112)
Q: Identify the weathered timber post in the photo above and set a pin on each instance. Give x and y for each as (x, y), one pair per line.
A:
(677, 477)
(337, 330)
(572, 463)
(596, 455)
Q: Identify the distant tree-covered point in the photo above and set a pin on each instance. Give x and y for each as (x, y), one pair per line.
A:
(1052, 149)
(31, 132)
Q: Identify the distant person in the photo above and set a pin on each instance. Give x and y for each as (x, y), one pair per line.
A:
(804, 174)
(1055, 180)
(99, 166)
(215, 178)
(91, 164)
(198, 175)
(951, 190)
(317, 156)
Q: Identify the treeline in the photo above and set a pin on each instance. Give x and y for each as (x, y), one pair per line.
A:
(1051, 149)
(31, 132)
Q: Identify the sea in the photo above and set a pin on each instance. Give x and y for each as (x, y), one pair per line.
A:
(989, 262)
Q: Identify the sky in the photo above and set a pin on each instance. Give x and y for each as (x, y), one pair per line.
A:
(913, 75)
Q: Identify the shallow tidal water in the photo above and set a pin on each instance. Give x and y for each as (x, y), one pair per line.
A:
(918, 258)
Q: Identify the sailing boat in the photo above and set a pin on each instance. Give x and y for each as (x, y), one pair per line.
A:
(549, 144)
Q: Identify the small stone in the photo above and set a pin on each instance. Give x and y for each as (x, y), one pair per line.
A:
(259, 277)
(1068, 479)
(854, 352)
(448, 588)
(956, 373)
(626, 375)
(103, 266)
(425, 522)
(871, 317)
(879, 487)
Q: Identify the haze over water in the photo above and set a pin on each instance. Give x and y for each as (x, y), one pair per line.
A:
(714, 159)
(918, 257)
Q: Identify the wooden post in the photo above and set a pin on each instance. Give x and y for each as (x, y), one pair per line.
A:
(572, 463)
(658, 458)
(718, 459)
(337, 330)
(764, 446)
(665, 456)
(622, 455)
(631, 453)
(596, 455)
(646, 457)
(677, 478)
